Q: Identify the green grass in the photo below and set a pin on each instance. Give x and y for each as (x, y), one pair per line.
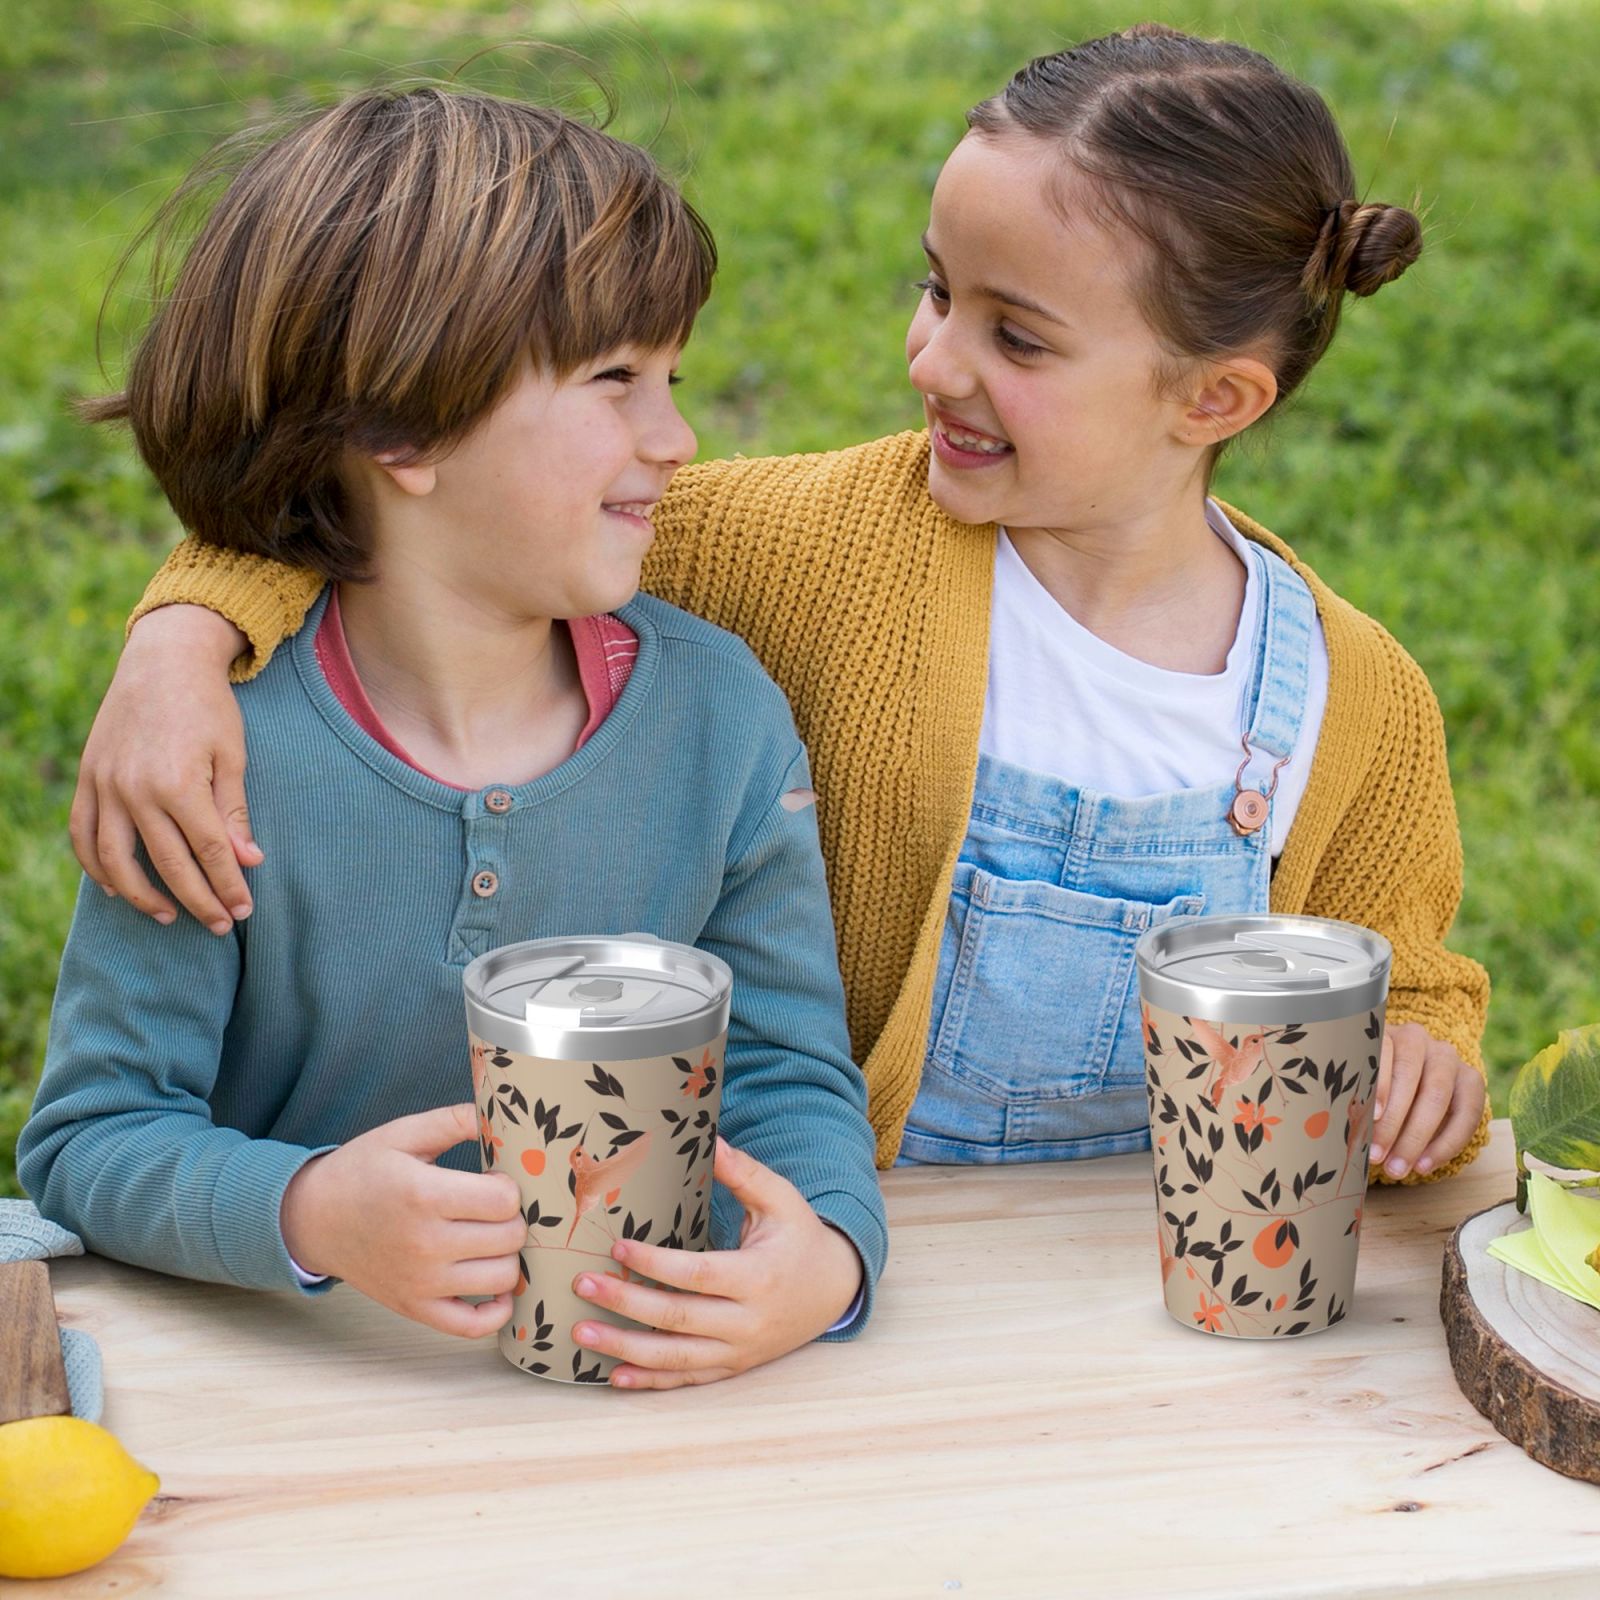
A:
(1437, 469)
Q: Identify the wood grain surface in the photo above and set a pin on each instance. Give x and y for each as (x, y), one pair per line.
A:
(33, 1376)
(1021, 1420)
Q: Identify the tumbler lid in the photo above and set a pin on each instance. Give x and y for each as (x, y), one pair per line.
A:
(1269, 968)
(617, 998)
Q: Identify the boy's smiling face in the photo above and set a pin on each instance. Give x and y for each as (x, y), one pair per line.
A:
(542, 509)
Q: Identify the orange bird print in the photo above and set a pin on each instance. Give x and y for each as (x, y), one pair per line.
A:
(1234, 1063)
(598, 1175)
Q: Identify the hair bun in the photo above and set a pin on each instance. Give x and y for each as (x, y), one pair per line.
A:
(1361, 248)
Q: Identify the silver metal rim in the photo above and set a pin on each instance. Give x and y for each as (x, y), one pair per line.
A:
(1261, 1005)
(622, 1043)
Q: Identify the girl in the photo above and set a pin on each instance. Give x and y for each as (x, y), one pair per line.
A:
(423, 345)
(1055, 693)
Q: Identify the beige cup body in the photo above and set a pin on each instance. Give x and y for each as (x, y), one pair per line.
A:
(1260, 1134)
(600, 1152)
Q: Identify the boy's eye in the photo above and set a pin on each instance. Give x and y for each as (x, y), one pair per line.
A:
(934, 290)
(616, 375)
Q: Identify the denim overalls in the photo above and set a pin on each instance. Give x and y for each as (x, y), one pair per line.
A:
(1035, 1048)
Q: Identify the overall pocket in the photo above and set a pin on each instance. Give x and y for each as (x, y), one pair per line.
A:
(1042, 1002)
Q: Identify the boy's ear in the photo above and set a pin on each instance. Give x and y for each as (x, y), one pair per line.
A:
(409, 477)
(1235, 393)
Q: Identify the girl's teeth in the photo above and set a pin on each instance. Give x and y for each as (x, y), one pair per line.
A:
(974, 441)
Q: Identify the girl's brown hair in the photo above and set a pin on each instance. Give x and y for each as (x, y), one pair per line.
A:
(375, 279)
(1233, 173)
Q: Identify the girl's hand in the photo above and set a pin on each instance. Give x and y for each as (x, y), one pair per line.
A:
(791, 1278)
(1428, 1105)
(413, 1236)
(165, 760)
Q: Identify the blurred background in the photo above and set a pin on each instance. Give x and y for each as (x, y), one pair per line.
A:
(1438, 469)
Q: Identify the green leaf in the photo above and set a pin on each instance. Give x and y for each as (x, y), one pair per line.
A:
(1555, 1102)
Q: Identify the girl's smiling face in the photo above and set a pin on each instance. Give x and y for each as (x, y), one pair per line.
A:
(1039, 374)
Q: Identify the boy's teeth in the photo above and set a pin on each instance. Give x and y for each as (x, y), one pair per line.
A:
(974, 441)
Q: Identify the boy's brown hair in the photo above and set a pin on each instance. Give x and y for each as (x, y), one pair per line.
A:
(376, 279)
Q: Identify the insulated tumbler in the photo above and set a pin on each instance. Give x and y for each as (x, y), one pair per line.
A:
(597, 1074)
(1261, 1040)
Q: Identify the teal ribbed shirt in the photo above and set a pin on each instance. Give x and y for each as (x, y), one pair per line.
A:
(188, 1077)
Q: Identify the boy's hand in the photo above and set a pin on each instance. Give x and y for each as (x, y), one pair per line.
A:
(1428, 1104)
(165, 761)
(412, 1236)
(791, 1278)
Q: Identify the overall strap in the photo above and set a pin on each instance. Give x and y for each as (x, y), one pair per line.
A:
(1277, 697)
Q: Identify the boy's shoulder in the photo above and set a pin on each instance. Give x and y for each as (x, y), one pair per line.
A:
(724, 656)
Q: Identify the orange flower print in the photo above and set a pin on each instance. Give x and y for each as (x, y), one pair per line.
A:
(490, 1139)
(1149, 1024)
(1250, 1117)
(1209, 1316)
(695, 1084)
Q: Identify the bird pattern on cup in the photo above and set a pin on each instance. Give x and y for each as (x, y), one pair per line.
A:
(1260, 1136)
(601, 1153)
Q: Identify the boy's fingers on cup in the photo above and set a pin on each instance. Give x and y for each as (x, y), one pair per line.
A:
(699, 1271)
(114, 837)
(168, 848)
(626, 1377)
(427, 1134)
(658, 1352)
(491, 1275)
(464, 1320)
(705, 1314)
(755, 1186)
(480, 1197)
(472, 1241)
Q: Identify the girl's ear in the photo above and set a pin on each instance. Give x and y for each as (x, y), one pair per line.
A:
(409, 477)
(1235, 393)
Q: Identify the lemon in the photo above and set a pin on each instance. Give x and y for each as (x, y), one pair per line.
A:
(69, 1495)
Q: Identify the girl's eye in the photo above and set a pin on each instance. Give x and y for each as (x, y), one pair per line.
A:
(616, 375)
(1018, 347)
(934, 290)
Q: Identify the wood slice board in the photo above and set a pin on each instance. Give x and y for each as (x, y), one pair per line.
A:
(1527, 1356)
(33, 1379)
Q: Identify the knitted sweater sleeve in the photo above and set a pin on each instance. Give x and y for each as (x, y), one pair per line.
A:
(265, 600)
(1394, 863)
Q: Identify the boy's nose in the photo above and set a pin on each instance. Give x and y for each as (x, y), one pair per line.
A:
(669, 440)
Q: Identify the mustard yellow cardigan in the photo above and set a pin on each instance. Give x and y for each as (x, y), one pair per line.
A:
(870, 607)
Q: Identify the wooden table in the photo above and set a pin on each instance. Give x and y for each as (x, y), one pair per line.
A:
(1022, 1419)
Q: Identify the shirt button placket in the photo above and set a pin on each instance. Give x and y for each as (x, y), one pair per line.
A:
(483, 823)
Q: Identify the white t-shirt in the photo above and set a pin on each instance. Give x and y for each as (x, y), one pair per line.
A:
(1064, 702)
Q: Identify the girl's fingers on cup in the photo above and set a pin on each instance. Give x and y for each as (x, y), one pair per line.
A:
(1380, 1095)
(1466, 1112)
(656, 1352)
(707, 1315)
(1430, 1106)
(699, 1271)
(114, 838)
(464, 1320)
(1404, 1076)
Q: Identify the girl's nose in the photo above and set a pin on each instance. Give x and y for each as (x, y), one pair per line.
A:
(937, 365)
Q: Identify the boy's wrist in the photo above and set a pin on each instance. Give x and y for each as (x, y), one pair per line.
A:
(298, 1217)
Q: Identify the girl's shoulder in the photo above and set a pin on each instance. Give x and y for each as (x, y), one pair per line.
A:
(1364, 658)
